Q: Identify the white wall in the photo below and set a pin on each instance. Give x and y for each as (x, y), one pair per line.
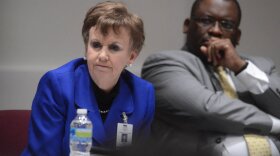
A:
(39, 35)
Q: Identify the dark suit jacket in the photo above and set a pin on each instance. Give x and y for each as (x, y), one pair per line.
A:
(193, 116)
(63, 90)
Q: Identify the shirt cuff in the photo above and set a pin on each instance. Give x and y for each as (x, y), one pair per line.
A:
(275, 125)
(255, 80)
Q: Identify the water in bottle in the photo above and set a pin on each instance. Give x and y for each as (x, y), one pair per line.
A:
(81, 134)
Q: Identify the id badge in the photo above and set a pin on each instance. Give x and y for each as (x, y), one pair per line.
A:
(124, 134)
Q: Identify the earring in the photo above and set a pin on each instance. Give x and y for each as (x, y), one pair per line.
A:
(85, 58)
(128, 65)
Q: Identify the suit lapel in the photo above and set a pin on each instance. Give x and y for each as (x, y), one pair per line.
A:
(85, 98)
(215, 82)
(123, 102)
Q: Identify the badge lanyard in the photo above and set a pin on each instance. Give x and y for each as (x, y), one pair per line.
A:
(124, 132)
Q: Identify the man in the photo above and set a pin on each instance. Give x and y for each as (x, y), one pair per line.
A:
(194, 112)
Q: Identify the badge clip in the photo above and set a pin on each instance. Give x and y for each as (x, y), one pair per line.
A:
(124, 132)
(125, 118)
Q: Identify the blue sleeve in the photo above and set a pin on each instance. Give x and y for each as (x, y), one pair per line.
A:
(149, 116)
(46, 129)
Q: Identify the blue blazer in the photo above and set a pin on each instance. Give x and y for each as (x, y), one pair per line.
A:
(61, 91)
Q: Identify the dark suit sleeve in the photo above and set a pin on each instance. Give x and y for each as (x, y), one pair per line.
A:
(269, 101)
(185, 96)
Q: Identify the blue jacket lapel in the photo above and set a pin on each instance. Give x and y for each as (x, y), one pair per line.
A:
(122, 103)
(85, 98)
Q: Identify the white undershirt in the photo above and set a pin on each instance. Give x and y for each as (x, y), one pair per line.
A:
(257, 82)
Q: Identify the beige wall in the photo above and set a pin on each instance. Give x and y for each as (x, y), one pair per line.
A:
(39, 35)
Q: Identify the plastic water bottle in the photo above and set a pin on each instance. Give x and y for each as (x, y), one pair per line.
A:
(80, 134)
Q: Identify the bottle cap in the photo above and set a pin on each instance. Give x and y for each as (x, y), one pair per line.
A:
(81, 111)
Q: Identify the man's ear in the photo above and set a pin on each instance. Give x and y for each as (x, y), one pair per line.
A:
(186, 26)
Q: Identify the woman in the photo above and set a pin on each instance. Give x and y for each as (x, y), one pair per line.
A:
(113, 38)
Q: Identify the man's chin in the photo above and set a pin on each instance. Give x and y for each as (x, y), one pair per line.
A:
(200, 55)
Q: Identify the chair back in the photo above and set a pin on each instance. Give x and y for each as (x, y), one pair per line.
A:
(14, 131)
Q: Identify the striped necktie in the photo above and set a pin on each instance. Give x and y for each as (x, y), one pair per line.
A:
(257, 145)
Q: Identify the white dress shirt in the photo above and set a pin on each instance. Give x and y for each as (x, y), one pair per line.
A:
(256, 82)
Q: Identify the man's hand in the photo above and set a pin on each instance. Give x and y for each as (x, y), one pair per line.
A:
(221, 52)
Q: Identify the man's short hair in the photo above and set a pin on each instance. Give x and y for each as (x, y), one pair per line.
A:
(197, 2)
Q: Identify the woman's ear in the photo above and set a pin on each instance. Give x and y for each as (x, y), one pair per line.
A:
(133, 56)
(186, 26)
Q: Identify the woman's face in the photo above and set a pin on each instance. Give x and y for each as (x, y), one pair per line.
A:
(108, 55)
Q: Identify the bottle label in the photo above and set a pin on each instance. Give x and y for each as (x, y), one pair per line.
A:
(80, 134)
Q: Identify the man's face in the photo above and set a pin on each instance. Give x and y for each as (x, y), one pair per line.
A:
(212, 19)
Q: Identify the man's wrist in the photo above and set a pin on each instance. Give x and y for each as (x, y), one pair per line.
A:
(275, 128)
(242, 68)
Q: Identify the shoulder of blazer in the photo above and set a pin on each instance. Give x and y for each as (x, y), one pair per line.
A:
(135, 82)
(70, 66)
